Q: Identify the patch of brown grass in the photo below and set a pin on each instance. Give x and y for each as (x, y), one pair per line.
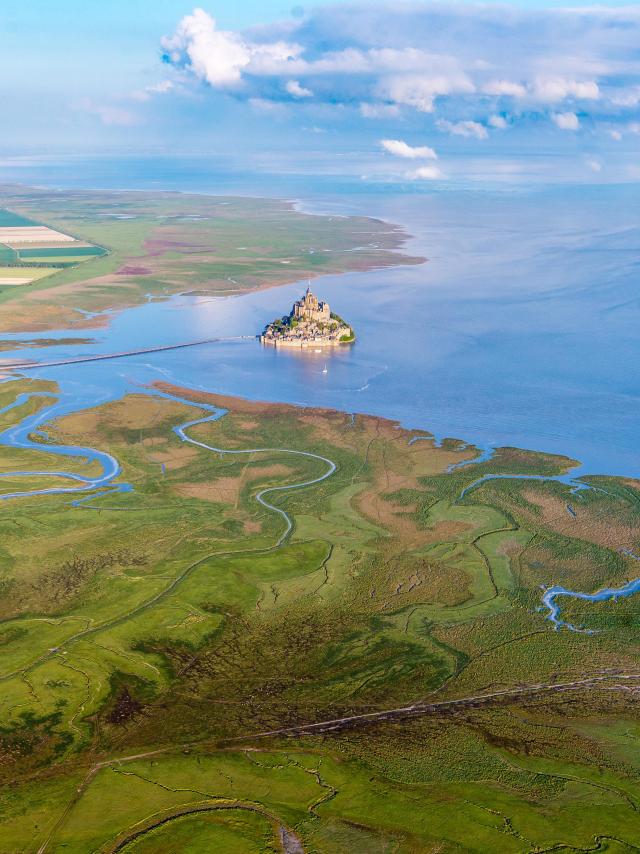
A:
(589, 524)
(226, 490)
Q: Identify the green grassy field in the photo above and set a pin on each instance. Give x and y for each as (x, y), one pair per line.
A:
(62, 251)
(167, 243)
(151, 637)
(8, 255)
(175, 676)
(10, 219)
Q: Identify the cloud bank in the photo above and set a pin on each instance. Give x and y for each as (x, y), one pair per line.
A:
(467, 63)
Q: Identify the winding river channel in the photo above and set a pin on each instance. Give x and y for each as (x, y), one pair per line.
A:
(19, 436)
(260, 496)
(607, 594)
(521, 330)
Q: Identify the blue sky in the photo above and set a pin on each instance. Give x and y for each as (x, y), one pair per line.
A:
(415, 91)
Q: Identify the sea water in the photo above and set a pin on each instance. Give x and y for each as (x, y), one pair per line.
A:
(520, 329)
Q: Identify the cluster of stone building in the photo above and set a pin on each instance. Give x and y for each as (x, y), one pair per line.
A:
(309, 324)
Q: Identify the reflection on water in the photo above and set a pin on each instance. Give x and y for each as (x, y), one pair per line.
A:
(520, 330)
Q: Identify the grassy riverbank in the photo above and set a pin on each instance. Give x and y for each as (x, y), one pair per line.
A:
(150, 637)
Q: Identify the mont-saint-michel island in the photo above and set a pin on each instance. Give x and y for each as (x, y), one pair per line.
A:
(365, 578)
(311, 323)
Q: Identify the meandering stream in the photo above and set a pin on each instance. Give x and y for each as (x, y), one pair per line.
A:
(260, 496)
(607, 594)
(19, 436)
(560, 293)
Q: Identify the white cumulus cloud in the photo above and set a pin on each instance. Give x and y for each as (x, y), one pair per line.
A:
(219, 57)
(566, 121)
(463, 128)
(294, 88)
(498, 122)
(420, 90)
(213, 55)
(424, 173)
(504, 87)
(387, 58)
(399, 148)
(554, 89)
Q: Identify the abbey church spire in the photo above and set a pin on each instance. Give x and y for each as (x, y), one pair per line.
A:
(310, 322)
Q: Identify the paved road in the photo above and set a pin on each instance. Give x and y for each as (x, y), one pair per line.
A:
(32, 366)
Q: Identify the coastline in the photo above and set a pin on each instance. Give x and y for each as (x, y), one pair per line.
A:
(450, 458)
(456, 344)
(119, 283)
(467, 452)
(301, 496)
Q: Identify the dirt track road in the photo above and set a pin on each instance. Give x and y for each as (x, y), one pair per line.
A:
(421, 708)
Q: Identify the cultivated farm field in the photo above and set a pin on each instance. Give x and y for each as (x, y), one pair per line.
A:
(33, 251)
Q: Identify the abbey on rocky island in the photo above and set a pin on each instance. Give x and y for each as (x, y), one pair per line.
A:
(310, 323)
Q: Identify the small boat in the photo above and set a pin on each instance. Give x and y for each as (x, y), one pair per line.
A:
(324, 370)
